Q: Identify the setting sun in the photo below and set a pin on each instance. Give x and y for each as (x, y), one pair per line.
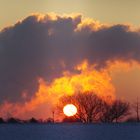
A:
(70, 110)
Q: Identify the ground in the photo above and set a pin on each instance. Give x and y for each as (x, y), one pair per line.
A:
(70, 131)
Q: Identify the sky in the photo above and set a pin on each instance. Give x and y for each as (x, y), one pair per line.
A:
(106, 11)
(49, 48)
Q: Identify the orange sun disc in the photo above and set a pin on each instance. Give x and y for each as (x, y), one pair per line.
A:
(70, 110)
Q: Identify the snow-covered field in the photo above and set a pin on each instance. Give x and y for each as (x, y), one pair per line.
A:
(70, 132)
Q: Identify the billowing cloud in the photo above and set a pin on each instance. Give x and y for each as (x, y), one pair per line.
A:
(46, 46)
(47, 96)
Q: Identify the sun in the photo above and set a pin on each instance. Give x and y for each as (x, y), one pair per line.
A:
(70, 110)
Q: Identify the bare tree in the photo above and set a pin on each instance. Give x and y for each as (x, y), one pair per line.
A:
(115, 111)
(136, 107)
(89, 106)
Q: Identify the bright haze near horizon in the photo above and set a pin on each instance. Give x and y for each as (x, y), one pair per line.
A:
(115, 15)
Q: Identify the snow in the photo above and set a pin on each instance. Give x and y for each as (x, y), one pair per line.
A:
(70, 132)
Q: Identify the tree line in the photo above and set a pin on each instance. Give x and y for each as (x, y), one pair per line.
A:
(92, 108)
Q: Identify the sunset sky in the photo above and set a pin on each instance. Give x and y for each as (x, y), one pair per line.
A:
(49, 48)
(106, 11)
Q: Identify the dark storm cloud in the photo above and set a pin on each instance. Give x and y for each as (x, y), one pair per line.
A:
(45, 47)
(114, 43)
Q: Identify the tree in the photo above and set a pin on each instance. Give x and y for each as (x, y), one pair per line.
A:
(88, 104)
(1, 120)
(13, 120)
(136, 107)
(33, 120)
(50, 120)
(71, 120)
(115, 111)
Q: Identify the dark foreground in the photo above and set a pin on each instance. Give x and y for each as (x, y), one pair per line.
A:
(70, 132)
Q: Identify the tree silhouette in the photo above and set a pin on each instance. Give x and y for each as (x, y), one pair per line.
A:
(33, 120)
(71, 120)
(1, 120)
(136, 107)
(50, 120)
(13, 120)
(88, 104)
(115, 111)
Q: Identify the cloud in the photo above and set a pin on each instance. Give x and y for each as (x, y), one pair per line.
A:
(31, 49)
(44, 46)
(47, 96)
